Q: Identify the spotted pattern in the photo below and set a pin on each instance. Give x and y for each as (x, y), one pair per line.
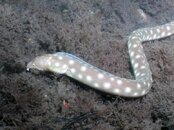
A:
(84, 72)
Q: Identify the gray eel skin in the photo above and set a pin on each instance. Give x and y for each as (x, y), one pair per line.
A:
(72, 66)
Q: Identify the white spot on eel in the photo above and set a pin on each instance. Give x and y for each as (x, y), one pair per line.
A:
(68, 64)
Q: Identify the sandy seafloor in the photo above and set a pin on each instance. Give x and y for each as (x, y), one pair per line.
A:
(96, 31)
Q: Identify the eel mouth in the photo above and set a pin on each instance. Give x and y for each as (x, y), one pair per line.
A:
(32, 65)
(28, 69)
(29, 66)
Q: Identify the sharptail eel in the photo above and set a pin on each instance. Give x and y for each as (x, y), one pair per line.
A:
(76, 68)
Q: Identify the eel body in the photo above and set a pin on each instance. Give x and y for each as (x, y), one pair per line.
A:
(76, 68)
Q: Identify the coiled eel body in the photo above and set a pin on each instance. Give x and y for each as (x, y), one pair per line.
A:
(65, 63)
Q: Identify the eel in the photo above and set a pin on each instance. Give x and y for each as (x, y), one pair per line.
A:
(76, 68)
